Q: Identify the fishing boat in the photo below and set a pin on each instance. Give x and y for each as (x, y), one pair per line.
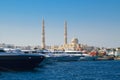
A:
(17, 60)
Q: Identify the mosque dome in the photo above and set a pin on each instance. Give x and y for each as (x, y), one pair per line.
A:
(74, 41)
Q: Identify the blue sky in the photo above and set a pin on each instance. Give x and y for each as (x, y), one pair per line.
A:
(93, 22)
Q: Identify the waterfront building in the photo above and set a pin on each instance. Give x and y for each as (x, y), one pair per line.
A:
(73, 45)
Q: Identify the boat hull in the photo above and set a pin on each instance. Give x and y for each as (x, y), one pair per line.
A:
(88, 58)
(20, 62)
(63, 58)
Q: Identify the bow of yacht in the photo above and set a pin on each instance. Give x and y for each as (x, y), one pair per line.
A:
(18, 60)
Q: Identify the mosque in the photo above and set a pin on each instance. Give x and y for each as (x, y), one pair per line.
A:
(73, 45)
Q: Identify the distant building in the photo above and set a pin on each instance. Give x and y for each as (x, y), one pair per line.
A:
(74, 45)
(7, 45)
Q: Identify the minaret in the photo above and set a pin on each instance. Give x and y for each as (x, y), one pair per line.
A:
(43, 35)
(65, 32)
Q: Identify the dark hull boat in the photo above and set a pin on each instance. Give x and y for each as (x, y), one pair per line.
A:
(20, 61)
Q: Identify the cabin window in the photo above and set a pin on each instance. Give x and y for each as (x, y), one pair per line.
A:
(26, 52)
(34, 51)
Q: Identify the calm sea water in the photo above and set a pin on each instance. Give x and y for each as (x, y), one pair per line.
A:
(82, 70)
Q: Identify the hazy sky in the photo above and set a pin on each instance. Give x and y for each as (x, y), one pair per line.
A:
(93, 22)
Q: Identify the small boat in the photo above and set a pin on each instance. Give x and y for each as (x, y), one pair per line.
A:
(105, 58)
(116, 58)
(17, 60)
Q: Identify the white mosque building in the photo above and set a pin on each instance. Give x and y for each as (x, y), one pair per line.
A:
(73, 45)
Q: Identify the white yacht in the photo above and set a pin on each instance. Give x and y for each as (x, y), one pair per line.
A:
(53, 56)
(68, 55)
(65, 55)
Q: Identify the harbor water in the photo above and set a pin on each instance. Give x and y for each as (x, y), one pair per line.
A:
(78, 70)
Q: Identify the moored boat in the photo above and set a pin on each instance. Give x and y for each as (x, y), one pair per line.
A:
(58, 56)
(105, 58)
(19, 60)
(65, 55)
